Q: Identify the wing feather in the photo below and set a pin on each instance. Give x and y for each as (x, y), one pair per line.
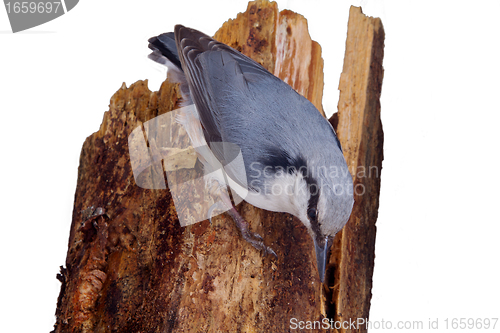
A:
(205, 60)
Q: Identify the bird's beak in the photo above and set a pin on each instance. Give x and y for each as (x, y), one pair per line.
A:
(321, 256)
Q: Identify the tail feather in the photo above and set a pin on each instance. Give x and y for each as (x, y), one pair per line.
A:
(165, 53)
(164, 48)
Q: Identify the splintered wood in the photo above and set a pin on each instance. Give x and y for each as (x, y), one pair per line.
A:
(360, 132)
(131, 267)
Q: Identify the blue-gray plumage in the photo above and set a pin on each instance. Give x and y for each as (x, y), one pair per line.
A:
(293, 160)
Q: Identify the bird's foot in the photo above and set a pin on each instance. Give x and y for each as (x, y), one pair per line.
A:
(220, 192)
(253, 238)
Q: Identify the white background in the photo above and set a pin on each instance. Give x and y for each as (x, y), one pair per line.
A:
(437, 233)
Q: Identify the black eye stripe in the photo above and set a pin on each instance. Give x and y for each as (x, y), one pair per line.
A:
(312, 207)
(314, 198)
(312, 214)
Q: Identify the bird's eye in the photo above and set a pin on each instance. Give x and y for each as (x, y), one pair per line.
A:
(312, 213)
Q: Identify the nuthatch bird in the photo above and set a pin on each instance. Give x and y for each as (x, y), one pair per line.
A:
(293, 161)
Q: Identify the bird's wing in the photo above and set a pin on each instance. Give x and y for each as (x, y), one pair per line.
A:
(240, 102)
(212, 68)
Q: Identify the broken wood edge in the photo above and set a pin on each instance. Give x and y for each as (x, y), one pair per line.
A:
(359, 129)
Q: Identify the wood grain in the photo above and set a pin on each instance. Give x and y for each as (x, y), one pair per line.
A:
(360, 132)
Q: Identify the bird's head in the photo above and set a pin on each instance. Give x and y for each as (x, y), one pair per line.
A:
(323, 201)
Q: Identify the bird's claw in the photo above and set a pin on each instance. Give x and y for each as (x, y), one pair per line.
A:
(259, 237)
(253, 238)
(257, 241)
(270, 251)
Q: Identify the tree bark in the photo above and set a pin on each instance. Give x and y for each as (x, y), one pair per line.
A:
(359, 129)
(131, 267)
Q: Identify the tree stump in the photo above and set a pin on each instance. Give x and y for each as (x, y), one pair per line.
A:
(131, 267)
